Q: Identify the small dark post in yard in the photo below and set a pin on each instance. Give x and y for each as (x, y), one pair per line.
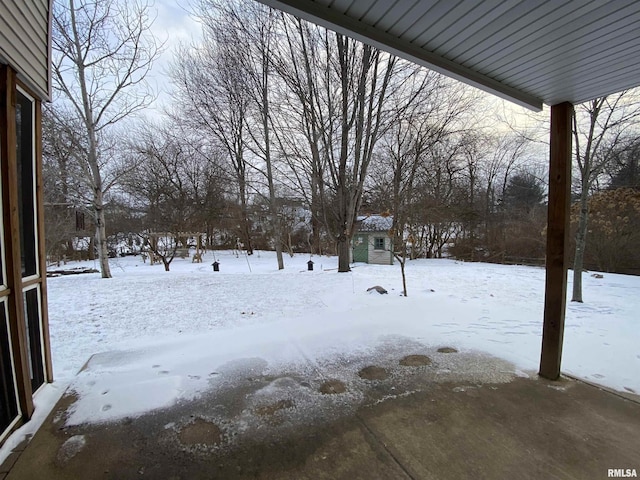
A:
(216, 266)
(310, 265)
(555, 298)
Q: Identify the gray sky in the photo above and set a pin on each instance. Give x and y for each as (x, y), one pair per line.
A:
(174, 26)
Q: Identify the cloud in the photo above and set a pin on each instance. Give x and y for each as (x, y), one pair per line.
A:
(174, 25)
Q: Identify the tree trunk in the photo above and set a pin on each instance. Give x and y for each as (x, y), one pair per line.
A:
(92, 160)
(315, 236)
(343, 248)
(91, 254)
(101, 237)
(101, 244)
(245, 226)
(472, 225)
(101, 231)
(315, 215)
(265, 112)
(402, 260)
(278, 242)
(273, 210)
(581, 241)
(166, 264)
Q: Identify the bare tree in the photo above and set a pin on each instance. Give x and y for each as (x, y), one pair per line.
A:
(598, 126)
(177, 188)
(257, 26)
(507, 151)
(624, 170)
(364, 76)
(237, 47)
(339, 89)
(424, 192)
(436, 105)
(102, 54)
(213, 100)
(299, 62)
(63, 191)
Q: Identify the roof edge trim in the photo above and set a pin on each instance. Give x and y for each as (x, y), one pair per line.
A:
(324, 16)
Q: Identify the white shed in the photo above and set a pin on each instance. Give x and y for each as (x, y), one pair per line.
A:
(372, 241)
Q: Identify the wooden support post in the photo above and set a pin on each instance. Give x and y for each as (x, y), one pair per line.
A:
(42, 252)
(557, 240)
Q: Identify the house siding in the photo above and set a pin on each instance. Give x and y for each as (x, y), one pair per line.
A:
(24, 41)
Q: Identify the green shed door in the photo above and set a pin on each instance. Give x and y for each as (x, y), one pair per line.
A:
(360, 248)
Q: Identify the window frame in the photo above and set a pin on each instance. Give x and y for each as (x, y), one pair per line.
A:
(34, 195)
(41, 339)
(18, 417)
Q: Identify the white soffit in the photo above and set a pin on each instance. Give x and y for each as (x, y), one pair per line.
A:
(530, 52)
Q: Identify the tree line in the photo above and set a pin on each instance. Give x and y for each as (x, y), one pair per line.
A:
(282, 133)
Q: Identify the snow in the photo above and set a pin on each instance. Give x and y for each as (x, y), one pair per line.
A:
(375, 223)
(149, 338)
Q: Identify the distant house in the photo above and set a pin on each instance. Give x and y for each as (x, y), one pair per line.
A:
(372, 242)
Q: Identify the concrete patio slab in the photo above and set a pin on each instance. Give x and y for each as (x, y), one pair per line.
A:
(523, 429)
(454, 416)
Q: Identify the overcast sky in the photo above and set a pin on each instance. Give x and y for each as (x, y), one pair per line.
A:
(173, 25)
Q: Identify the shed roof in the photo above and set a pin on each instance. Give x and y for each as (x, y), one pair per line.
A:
(529, 52)
(374, 223)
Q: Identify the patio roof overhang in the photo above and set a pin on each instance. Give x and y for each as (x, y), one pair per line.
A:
(531, 53)
(558, 53)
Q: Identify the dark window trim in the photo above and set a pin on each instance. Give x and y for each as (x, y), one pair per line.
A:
(27, 186)
(8, 378)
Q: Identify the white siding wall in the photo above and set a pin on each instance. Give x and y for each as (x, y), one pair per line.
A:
(380, 257)
(24, 41)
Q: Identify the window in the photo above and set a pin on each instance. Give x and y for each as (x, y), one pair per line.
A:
(3, 274)
(8, 399)
(24, 366)
(34, 337)
(378, 243)
(25, 156)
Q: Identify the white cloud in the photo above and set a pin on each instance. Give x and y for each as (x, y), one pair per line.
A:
(174, 25)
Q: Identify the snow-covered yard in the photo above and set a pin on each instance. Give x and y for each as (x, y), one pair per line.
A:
(165, 333)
